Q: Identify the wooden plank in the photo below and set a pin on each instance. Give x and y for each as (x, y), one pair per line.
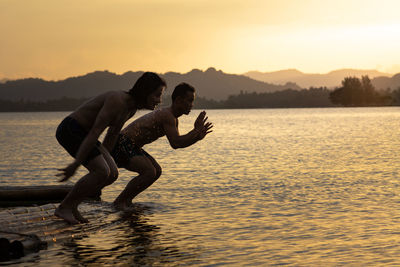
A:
(13, 193)
(32, 193)
(11, 196)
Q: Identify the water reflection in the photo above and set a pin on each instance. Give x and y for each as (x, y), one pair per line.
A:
(298, 187)
(124, 238)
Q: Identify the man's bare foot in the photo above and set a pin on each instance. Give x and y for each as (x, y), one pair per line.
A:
(79, 217)
(66, 214)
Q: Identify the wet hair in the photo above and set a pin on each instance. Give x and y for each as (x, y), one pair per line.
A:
(181, 89)
(145, 85)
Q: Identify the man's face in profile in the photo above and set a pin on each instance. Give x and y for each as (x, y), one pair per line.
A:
(187, 102)
(154, 98)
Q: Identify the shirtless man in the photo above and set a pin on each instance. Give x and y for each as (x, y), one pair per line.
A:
(128, 152)
(79, 132)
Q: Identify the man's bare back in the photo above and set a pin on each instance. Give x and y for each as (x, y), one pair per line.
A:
(122, 104)
(149, 127)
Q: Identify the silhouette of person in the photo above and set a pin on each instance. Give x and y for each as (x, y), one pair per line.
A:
(129, 154)
(78, 133)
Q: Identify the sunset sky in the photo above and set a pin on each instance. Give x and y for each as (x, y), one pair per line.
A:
(57, 39)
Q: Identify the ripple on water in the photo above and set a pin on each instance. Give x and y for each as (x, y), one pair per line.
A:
(267, 187)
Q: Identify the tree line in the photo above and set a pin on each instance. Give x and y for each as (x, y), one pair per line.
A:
(61, 104)
(354, 92)
(313, 97)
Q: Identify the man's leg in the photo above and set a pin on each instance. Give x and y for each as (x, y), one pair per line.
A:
(156, 166)
(113, 167)
(147, 175)
(99, 171)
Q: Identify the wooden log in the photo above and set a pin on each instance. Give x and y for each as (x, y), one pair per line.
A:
(15, 245)
(12, 193)
(20, 211)
(19, 217)
(40, 220)
(26, 226)
(30, 195)
(21, 227)
(5, 249)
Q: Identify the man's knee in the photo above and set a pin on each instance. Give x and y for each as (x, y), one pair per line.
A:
(153, 174)
(103, 171)
(107, 173)
(149, 172)
(114, 173)
(158, 171)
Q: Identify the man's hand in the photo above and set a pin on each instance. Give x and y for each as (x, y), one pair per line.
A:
(202, 126)
(199, 123)
(67, 172)
(205, 130)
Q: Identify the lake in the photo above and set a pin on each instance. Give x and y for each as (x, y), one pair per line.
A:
(301, 187)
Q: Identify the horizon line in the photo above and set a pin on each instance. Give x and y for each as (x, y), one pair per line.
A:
(387, 74)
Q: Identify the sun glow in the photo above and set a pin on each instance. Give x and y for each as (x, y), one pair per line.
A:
(318, 49)
(57, 39)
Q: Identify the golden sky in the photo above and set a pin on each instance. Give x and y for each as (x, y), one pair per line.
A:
(55, 39)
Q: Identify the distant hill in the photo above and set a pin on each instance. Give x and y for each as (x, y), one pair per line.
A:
(386, 82)
(218, 85)
(34, 89)
(330, 80)
(211, 84)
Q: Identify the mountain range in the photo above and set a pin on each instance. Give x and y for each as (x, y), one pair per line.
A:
(210, 84)
(330, 80)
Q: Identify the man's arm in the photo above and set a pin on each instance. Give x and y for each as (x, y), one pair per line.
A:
(111, 137)
(103, 119)
(200, 130)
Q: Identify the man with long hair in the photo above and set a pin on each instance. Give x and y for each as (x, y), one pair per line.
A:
(78, 133)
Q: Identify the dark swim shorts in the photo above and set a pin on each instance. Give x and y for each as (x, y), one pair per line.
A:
(124, 150)
(70, 134)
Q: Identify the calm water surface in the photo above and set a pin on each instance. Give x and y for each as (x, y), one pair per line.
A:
(301, 187)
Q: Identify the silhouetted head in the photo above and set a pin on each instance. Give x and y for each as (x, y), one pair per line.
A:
(147, 90)
(183, 98)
